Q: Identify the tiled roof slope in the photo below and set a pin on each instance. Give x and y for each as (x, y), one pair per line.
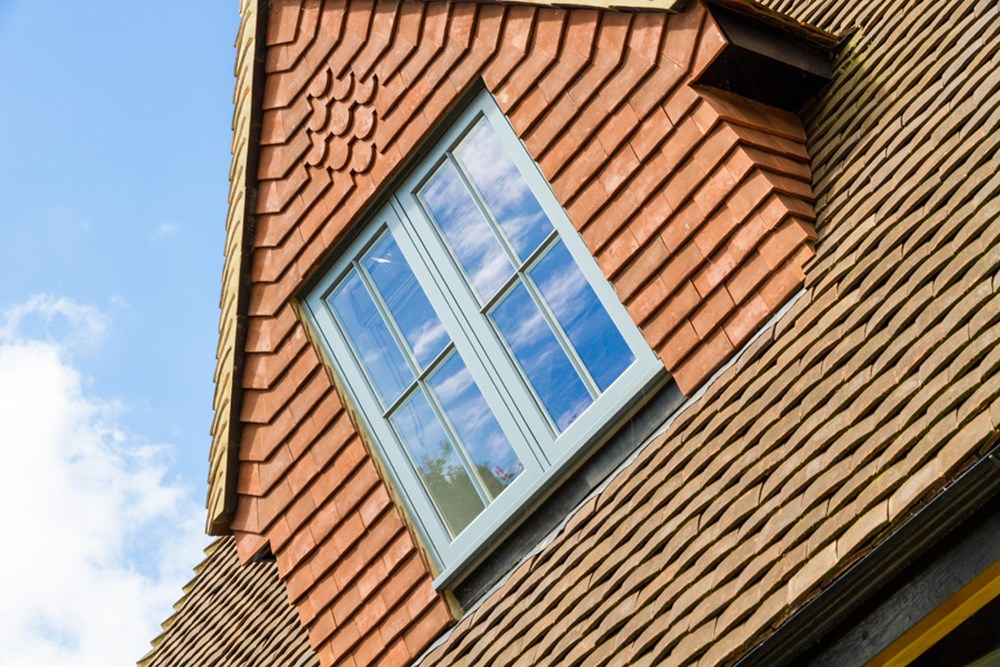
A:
(696, 205)
(232, 614)
(871, 393)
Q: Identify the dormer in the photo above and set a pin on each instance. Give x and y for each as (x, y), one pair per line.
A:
(478, 253)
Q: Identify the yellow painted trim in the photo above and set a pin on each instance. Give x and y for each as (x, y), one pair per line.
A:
(915, 641)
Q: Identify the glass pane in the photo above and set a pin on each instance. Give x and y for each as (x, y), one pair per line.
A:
(467, 231)
(376, 348)
(504, 189)
(581, 315)
(405, 299)
(496, 463)
(544, 362)
(437, 463)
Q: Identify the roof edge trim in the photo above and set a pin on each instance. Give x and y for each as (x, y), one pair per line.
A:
(241, 219)
(818, 38)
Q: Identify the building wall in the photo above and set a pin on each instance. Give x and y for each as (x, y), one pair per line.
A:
(696, 205)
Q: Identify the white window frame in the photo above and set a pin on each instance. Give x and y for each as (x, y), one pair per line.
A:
(547, 456)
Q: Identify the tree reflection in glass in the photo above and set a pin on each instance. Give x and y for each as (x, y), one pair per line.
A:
(494, 459)
(437, 463)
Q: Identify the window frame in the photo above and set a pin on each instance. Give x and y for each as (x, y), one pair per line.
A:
(475, 337)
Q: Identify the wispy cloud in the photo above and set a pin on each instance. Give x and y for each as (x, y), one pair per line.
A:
(165, 229)
(99, 539)
(118, 301)
(44, 317)
(467, 231)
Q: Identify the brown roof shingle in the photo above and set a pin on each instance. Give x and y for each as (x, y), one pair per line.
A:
(233, 614)
(869, 395)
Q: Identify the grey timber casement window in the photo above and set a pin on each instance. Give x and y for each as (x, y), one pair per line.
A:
(479, 341)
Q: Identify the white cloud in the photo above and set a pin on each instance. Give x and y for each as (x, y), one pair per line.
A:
(119, 301)
(46, 318)
(97, 540)
(166, 229)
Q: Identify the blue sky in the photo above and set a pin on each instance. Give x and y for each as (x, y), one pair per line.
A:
(113, 172)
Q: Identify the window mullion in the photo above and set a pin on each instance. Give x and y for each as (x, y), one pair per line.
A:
(542, 247)
(540, 250)
(400, 400)
(472, 335)
(431, 367)
(421, 385)
(386, 314)
(504, 346)
(397, 335)
(567, 347)
(492, 301)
